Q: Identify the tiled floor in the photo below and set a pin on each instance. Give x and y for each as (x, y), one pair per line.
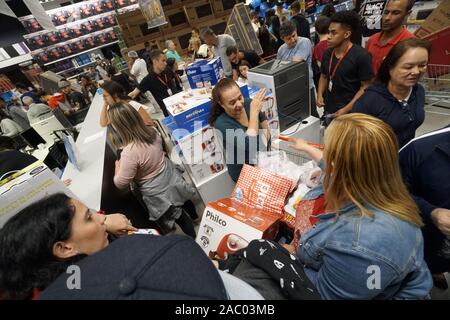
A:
(435, 118)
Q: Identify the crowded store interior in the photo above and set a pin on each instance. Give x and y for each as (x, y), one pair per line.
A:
(225, 149)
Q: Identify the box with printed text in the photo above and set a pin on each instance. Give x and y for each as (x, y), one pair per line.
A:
(228, 226)
(204, 73)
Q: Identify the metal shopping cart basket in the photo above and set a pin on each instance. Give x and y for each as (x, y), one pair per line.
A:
(437, 85)
(297, 157)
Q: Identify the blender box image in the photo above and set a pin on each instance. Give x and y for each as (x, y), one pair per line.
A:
(228, 226)
(204, 73)
(269, 109)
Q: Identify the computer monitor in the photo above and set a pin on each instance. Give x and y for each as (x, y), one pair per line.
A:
(32, 138)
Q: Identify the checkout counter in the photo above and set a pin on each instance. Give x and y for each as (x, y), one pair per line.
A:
(93, 183)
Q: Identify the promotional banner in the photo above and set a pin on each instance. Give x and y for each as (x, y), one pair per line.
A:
(371, 12)
(153, 12)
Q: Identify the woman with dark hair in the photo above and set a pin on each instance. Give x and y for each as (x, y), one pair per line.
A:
(172, 72)
(113, 92)
(328, 10)
(42, 240)
(396, 97)
(275, 30)
(232, 114)
(158, 181)
(88, 87)
(120, 78)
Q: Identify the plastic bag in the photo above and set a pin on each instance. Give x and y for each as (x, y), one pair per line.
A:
(259, 188)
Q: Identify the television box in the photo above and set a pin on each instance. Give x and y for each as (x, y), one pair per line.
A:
(437, 20)
(26, 187)
(228, 226)
(204, 73)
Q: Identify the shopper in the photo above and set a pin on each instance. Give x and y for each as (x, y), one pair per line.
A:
(160, 183)
(300, 21)
(36, 111)
(113, 93)
(244, 66)
(171, 51)
(368, 244)
(157, 81)
(397, 98)
(394, 17)
(24, 91)
(17, 114)
(8, 127)
(219, 45)
(322, 24)
(138, 66)
(194, 42)
(75, 99)
(346, 69)
(101, 68)
(328, 10)
(254, 19)
(242, 119)
(275, 30)
(119, 77)
(12, 160)
(88, 87)
(172, 72)
(425, 164)
(52, 234)
(235, 56)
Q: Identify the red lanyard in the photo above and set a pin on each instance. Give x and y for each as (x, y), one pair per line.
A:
(331, 74)
(165, 83)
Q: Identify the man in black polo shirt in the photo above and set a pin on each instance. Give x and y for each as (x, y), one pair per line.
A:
(236, 56)
(157, 81)
(346, 67)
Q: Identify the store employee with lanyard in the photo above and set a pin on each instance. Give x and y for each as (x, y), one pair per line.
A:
(346, 69)
(157, 82)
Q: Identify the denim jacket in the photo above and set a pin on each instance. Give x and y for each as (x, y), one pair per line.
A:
(357, 257)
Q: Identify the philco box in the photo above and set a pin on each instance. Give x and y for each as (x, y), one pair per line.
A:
(228, 226)
(26, 187)
(204, 73)
(437, 20)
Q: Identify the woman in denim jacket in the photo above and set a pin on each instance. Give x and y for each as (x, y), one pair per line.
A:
(368, 244)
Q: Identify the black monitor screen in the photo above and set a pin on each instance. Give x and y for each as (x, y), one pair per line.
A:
(32, 138)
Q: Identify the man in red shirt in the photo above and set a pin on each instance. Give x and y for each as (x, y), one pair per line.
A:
(394, 16)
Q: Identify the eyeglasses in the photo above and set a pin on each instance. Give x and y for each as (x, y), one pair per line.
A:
(407, 110)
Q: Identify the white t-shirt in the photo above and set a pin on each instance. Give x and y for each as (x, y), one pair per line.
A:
(139, 69)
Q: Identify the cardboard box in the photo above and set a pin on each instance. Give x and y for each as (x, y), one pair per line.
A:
(202, 151)
(190, 109)
(269, 109)
(228, 226)
(437, 20)
(26, 187)
(204, 73)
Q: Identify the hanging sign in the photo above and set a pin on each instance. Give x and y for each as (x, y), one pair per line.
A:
(153, 12)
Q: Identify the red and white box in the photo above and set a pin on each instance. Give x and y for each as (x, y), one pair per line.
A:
(228, 226)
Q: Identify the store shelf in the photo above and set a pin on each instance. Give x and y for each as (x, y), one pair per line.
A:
(86, 51)
(74, 68)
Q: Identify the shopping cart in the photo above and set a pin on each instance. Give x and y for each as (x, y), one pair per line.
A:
(437, 85)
